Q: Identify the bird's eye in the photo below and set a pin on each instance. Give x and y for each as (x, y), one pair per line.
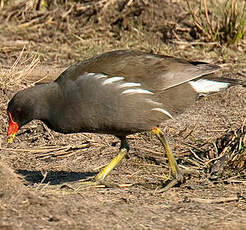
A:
(18, 110)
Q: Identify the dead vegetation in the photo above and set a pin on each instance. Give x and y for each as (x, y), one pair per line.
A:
(223, 159)
(72, 30)
(219, 21)
(13, 76)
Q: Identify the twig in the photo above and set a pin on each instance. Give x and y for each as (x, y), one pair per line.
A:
(197, 157)
(41, 182)
(150, 150)
(53, 151)
(214, 201)
(198, 25)
(194, 43)
(206, 15)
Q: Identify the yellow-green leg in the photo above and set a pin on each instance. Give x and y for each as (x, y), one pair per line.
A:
(112, 164)
(124, 148)
(175, 171)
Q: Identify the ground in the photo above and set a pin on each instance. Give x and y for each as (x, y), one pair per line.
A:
(42, 43)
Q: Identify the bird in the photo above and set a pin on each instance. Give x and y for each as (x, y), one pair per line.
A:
(120, 92)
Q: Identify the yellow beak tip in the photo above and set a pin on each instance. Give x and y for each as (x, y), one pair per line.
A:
(11, 138)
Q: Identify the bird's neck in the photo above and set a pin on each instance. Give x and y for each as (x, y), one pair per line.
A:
(45, 98)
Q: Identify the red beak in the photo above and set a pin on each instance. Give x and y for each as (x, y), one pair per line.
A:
(12, 129)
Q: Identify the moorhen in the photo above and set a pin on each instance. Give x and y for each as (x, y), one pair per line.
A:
(120, 93)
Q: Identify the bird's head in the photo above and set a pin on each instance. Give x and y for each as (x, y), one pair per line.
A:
(19, 112)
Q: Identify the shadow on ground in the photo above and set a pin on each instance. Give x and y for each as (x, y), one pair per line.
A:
(54, 177)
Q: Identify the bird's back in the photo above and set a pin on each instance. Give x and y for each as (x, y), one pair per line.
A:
(154, 72)
(125, 91)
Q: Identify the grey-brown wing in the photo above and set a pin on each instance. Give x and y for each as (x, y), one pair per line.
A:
(154, 72)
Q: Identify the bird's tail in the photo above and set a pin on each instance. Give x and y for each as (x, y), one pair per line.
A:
(212, 83)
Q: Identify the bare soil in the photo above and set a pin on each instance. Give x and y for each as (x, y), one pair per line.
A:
(34, 169)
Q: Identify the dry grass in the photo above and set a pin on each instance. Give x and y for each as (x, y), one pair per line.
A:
(73, 30)
(220, 21)
(18, 72)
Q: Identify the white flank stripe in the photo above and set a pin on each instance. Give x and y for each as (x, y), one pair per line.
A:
(134, 91)
(95, 75)
(100, 76)
(153, 102)
(129, 84)
(91, 74)
(208, 86)
(112, 79)
(163, 111)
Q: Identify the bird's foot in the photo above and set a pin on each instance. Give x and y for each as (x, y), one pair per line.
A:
(98, 181)
(178, 175)
(80, 185)
(172, 181)
(177, 179)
